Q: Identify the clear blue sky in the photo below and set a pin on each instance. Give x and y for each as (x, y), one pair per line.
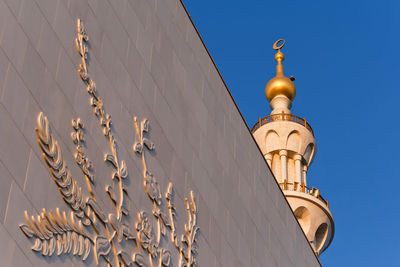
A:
(345, 57)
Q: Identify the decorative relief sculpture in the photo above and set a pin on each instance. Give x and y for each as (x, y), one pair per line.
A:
(70, 190)
(116, 192)
(54, 233)
(88, 228)
(80, 157)
(187, 244)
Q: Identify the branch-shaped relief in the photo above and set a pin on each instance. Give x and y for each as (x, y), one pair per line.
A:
(57, 233)
(189, 238)
(116, 192)
(85, 208)
(187, 245)
(80, 156)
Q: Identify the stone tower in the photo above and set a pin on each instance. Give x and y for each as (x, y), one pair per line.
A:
(288, 144)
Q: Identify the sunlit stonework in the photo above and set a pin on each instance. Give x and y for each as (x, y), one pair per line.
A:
(86, 228)
(288, 145)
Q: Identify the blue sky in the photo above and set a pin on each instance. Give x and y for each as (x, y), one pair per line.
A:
(346, 60)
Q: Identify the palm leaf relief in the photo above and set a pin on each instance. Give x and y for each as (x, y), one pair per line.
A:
(70, 190)
(55, 233)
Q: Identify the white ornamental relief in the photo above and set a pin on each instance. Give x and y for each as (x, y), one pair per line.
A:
(187, 244)
(86, 227)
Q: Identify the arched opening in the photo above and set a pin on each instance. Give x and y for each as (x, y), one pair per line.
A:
(303, 216)
(293, 141)
(320, 236)
(308, 153)
(271, 141)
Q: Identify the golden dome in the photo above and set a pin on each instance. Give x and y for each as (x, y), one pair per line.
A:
(280, 85)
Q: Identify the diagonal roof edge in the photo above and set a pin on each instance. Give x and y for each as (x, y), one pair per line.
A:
(248, 129)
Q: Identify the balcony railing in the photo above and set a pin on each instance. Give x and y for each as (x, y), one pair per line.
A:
(302, 188)
(281, 117)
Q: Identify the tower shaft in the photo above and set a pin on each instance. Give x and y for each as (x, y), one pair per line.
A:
(288, 145)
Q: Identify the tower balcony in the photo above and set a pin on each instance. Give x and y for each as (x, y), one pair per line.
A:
(282, 117)
(312, 212)
(304, 189)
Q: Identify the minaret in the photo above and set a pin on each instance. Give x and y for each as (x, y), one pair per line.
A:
(288, 145)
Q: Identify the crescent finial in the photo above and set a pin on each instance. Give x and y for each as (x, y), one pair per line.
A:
(278, 46)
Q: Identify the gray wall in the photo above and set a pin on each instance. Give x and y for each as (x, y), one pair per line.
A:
(147, 61)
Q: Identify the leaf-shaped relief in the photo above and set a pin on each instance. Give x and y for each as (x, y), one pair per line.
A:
(59, 245)
(127, 233)
(83, 73)
(63, 177)
(68, 242)
(123, 171)
(75, 242)
(97, 210)
(145, 125)
(52, 246)
(43, 130)
(45, 248)
(138, 148)
(74, 124)
(165, 258)
(125, 205)
(124, 258)
(81, 36)
(110, 158)
(169, 194)
(52, 154)
(188, 239)
(146, 235)
(139, 260)
(38, 245)
(67, 192)
(106, 131)
(53, 232)
(87, 246)
(194, 234)
(74, 137)
(103, 246)
(93, 103)
(79, 158)
(116, 225)
(150, 145)
(26, 230)
(152, 187)
(111, 192)
(81, 245)
(91, 87)
(65, 243)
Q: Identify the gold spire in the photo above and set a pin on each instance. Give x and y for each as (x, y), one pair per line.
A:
(280, 85)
